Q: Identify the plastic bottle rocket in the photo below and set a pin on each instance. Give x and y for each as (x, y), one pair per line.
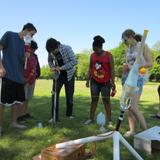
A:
(39, 125)
(27, 48)
(101, 121)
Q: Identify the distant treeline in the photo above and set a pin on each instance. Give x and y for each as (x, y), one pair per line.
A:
(119, 58)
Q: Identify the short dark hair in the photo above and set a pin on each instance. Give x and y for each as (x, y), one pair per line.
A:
(127, 33)
(29, 27)
(138, 37)
(98, 41)
(34, 45)
(51, 44)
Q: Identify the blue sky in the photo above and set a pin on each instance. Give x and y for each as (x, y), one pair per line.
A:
(76, 22)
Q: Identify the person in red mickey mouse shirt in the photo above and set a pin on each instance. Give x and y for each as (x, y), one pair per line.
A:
(101, 76)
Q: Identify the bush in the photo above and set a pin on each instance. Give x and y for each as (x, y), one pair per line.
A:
(46, 73)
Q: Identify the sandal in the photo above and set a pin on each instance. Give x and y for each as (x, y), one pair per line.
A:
(129, 134)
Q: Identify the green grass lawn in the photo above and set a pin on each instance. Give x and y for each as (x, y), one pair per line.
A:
(24, 144)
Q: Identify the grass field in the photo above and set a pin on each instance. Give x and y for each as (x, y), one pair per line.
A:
(24, 144)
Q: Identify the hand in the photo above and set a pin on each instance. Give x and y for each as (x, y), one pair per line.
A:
(58, 68)
(125, 68)
(27, 54)
(2, 72)
(87, 84)
(53, 69)
(113, 86)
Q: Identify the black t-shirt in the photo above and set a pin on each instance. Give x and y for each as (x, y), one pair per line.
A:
(63, 73)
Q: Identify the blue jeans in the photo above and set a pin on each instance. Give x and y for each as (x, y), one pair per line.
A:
(140, 83)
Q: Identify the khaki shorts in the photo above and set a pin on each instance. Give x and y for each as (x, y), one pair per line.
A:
(29, 90)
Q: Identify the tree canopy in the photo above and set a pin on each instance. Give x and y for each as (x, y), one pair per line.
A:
(118, 53)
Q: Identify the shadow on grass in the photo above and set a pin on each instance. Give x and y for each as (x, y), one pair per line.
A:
(24, 144)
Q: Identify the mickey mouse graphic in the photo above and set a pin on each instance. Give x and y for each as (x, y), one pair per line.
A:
(99, 70)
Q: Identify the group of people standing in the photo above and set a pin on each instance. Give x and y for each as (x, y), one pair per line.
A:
(18, 83)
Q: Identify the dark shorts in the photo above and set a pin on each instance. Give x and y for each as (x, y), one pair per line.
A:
(97, 88)
(11, 92)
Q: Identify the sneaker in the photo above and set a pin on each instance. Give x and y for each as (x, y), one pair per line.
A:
(51, 120)
(24, 117)
(27, 115)
(129, 134)
(110, 125)
(21, 118)
(71, 117)
(89, 121)
(157, 116)
(16, 125)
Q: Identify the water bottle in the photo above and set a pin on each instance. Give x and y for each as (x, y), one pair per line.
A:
(113, 92)
(40, 125)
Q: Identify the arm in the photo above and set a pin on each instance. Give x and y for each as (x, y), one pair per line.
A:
(1, 47)
(3, 43)
(147, 57)
(2, 69)
(89, 73)
(38, 68)
(72, 59)
(51, 62)
(112, 71)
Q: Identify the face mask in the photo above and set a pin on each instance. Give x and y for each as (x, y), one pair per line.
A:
(28, 39)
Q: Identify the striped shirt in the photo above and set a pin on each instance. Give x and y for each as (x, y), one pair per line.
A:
(68, 57)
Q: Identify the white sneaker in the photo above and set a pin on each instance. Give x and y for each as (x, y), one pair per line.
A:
(89, 121)
(16, 125)
(110, 125)
(71, 117)
(129, 134)
(51, 120)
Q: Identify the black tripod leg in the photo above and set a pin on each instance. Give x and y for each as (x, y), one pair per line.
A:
(120, 119)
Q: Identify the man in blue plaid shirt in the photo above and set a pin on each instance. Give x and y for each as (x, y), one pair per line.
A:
(61, 60)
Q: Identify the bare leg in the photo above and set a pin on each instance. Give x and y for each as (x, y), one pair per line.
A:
(135, 109)
(93, 107)
(15, 109)
(107, 106)
(131, 120)
(25, 107)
